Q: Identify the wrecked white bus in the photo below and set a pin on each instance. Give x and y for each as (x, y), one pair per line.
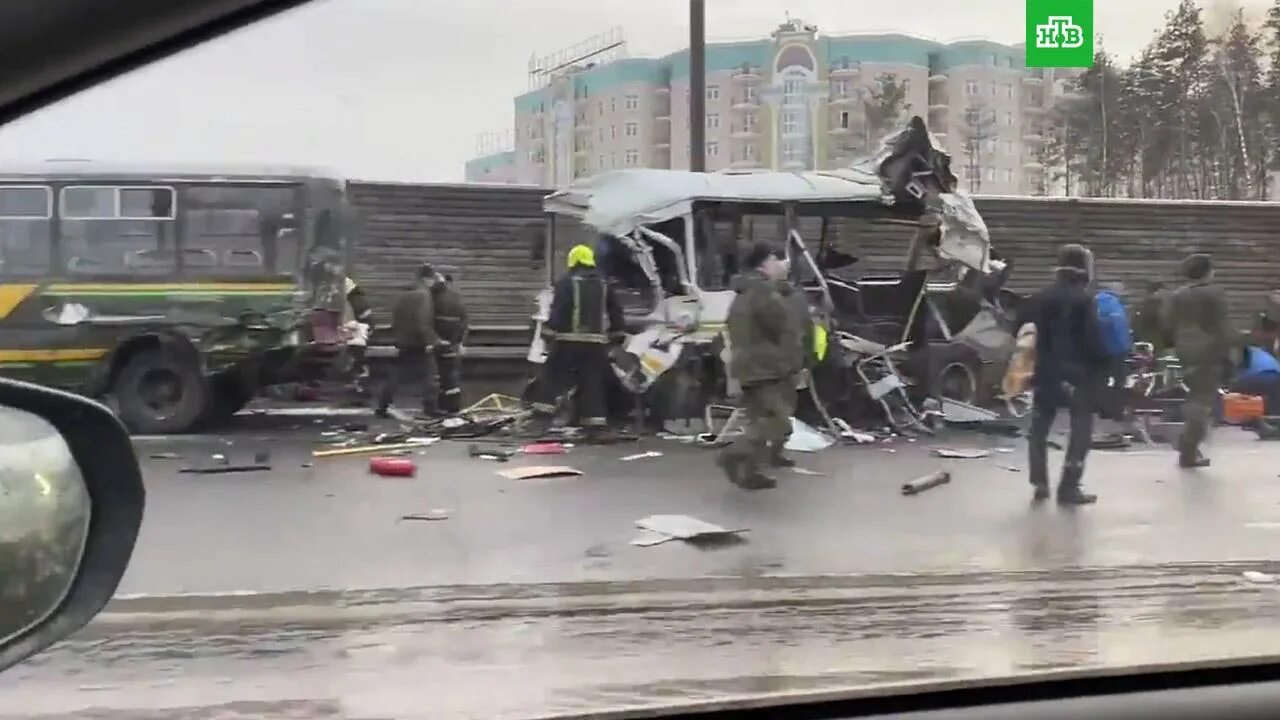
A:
(669, 242)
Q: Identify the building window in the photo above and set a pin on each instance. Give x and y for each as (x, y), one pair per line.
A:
(749, 122)
(713, 120)
(632, 129)
(1008, 147)
(601, 162)
(749, 92)
(600, 134)
(991, 174)
(613, 131)
(995, 60)
(971, 117)
(1008, 176)
(906, 85)
(600, 108)
(613, 104)
(631, 102)
(994, 89)
(713, 92)
(613, 160)
(1008, 119)
(971, 87)
(1008, 90)
(790, 123)
(791, 92)
(713, 149)
(633, 158)
(749, 151)
(844, 120)
(840, 88)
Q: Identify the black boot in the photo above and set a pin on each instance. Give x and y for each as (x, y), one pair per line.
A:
(1192, 460)
(1039, 492)
(1069, 492)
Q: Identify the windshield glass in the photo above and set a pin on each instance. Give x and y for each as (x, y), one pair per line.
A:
(847, 357)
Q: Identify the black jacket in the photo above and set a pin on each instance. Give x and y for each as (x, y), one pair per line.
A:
(1068, 341)
(584, 309)
(450, 311)
(413, 319)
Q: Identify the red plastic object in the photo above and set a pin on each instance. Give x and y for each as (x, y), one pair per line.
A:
(392, 467)
(543, 449)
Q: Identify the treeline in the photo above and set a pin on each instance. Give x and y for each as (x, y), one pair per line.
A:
(1195, 115)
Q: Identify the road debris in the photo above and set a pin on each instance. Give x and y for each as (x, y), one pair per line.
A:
(806, 438)
(262, 457)
(1259, 578)
(928, 482)
(224, 469)
(642, 456)
(392, 467)
(961, 454)
(539, 471)
(165, 456)
(806, 471)
(545, 448)
(428, 516)
(495, 452)
(219, 458)
(659, 529)
(413, 444)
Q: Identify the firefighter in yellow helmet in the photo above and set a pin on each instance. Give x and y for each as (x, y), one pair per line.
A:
(585, 318)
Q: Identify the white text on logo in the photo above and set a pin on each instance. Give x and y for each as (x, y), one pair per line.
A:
(1060, 32)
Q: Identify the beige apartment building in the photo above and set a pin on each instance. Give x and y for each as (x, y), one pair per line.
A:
(793, 101)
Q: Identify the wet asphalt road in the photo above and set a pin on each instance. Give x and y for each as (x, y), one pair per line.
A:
(307, 596)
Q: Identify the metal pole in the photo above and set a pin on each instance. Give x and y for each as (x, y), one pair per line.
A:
(698, 85)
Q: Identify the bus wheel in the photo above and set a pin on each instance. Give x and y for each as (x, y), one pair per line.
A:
(228, 394)
(159, 393)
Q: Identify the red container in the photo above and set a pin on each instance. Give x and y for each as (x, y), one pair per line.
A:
(392, 467)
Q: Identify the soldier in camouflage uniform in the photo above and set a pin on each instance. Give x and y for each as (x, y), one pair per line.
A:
(451, 326)
(1202, 335)
(766, 359)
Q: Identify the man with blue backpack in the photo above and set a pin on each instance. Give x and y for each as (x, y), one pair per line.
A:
(1117, 341)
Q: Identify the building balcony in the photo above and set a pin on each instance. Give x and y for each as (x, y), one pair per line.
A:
(1032, 164)
(745, 104)
(844, 68)
(744, 131)
(746, 73)
(843, 99)
(662, 90)
(939, 105)
(662, 144)
(745, 164)
(1033, 79)
(1035, 109)
(1033, 136)
(937, 76)
(582, 127)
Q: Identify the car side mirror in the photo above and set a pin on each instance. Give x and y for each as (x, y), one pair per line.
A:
(71, 501)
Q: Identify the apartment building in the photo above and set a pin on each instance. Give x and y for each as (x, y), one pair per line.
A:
(795, 100)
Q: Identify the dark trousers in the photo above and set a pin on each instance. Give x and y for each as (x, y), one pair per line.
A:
(412, 366)
(1080, 403)
(449, 362)
(580, 366)
(1113, 403)
(1265, 386)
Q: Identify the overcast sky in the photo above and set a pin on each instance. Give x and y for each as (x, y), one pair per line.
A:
(399, 89)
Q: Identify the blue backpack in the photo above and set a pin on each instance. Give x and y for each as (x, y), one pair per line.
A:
(1113, 324)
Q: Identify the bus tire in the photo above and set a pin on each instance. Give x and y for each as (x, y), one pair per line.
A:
(959, 374)
(161, 393)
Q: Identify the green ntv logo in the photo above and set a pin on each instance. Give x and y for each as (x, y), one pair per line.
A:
(1060, 33)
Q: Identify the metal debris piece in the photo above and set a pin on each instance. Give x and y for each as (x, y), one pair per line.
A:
(224, 469)
(166, 456)
(961, 454)
(219, 458)
(663, 528)
(428, 516)
(539, 471)
(500, 454)
(928, 482)
(806, 471)
(416, 445)
(956, 411)
(642, 456)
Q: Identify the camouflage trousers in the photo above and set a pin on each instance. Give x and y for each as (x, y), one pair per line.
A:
(768, 407)
(1202, 381)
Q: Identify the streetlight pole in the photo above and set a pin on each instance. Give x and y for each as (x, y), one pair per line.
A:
(698, 85)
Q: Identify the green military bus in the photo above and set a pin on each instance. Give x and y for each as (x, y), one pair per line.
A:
(176, 293)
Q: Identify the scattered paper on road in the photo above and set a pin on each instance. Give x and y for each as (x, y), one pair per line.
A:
(662, 528)
(961, 454)
(806, 438)
(642, 456)
(538, 471)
